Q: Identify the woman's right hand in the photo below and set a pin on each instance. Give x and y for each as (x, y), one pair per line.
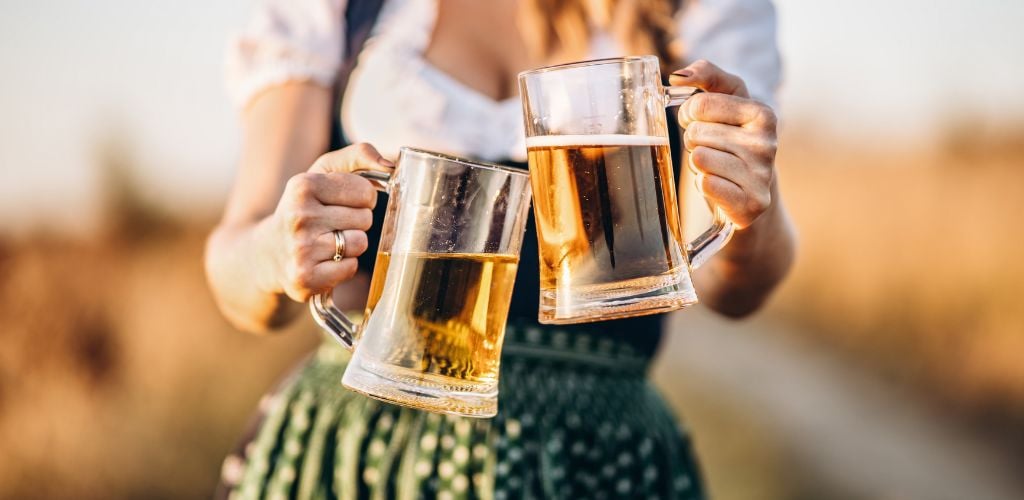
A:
(326, 198)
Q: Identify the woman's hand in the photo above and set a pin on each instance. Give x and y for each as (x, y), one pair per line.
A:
(274, 246)
(732, 141)
(326, 198)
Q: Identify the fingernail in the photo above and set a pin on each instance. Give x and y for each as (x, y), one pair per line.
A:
(685, 73)
(384, 162)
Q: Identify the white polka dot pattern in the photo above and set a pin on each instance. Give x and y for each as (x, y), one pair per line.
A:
(577, 419)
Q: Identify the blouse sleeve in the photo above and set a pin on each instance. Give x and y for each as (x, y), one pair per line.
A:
(739, 37)
(285, 40)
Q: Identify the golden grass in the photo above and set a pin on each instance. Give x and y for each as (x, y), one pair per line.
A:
(118, 378)
(911, 263)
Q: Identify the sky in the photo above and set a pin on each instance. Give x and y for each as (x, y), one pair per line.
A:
(901, 66)
(149, 75)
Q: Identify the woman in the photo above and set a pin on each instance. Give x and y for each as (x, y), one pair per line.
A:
(440, 75)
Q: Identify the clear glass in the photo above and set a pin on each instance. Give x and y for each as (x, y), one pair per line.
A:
(608, 220)
(432, 333)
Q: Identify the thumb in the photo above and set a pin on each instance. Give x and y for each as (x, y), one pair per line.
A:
(709, 78)
(355, 158)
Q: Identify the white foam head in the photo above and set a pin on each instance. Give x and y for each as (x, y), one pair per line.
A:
(554, 141)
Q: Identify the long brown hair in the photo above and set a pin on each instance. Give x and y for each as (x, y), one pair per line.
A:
(559, 31)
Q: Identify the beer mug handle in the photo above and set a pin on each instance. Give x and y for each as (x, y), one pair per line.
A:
(322, 307)
(333, 321)
(711, 241)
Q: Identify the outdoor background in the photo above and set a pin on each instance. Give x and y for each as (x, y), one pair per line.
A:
(889, 366)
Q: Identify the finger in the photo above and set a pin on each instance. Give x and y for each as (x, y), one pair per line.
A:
(327, 274)
(750, 146)
(309, 279)
(746, 157)
(338, 189)
(710, 78)
(729, 182)
(354, 158)
(726, 194)
(355, 244)
(327, 218)
(706, 161)
(727, 109)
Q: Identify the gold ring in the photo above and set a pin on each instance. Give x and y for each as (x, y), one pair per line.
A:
(339, 246)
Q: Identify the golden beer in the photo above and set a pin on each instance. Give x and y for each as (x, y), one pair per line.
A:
(440, 315)
(611, 245)
(440, 294)
(607, 219)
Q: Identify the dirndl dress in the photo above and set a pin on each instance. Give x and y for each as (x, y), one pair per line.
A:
(577, 418)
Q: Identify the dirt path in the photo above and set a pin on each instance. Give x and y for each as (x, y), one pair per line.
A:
(839, 427)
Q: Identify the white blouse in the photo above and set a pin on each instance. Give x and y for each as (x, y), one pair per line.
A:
(396, 98)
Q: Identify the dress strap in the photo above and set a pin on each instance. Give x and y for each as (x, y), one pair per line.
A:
(360, 16)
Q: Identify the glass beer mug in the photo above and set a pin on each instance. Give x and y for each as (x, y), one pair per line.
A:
(442, 282)
(608, 221)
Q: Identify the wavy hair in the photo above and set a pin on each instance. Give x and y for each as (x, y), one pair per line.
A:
(560, 30)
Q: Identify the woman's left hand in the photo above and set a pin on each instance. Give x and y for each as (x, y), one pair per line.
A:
(732, 142)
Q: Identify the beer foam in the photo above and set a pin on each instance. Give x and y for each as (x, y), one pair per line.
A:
(555, 141)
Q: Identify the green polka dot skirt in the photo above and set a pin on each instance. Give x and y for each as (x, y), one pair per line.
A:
(576, 419)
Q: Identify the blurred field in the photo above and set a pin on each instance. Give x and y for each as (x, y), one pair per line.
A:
(118, 379)
(910, 263)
